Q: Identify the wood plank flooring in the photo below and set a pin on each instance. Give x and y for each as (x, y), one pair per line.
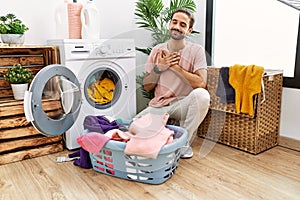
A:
(215, 172)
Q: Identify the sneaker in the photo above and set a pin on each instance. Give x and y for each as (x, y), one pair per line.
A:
(186, 152)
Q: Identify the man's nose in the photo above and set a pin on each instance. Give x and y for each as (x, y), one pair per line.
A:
(176, 26)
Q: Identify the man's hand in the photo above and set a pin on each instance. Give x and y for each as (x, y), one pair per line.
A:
(167, 60)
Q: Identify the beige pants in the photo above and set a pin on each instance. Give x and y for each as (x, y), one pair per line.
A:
(190, 111)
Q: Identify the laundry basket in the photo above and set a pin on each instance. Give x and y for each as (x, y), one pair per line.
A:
(112, 160)
(253, 134)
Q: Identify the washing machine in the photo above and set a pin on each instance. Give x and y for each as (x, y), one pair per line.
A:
(96, 77)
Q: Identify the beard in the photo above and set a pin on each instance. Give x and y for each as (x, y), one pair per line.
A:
(176, 34)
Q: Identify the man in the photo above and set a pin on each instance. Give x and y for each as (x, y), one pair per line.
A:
(177, 70)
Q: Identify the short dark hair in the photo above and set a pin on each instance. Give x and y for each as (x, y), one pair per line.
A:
(188, 13)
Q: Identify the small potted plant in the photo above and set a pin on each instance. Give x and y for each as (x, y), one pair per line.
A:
(18, 77)
(12, 29)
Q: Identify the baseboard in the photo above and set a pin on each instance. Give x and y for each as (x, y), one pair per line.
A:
(289, 143)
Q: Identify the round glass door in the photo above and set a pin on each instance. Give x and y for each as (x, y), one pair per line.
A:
(102, 88)
(53, 101)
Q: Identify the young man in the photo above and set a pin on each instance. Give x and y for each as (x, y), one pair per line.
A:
(177, 70)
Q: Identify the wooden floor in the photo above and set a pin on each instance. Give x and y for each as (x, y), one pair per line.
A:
(215, 172)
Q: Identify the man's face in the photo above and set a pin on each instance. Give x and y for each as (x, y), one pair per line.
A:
(179, 26)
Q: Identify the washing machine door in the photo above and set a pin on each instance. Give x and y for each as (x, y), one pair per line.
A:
(53, 101)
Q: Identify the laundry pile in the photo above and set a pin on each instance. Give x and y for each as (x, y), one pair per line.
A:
(101, 91)
(238, 84)
(144, 136)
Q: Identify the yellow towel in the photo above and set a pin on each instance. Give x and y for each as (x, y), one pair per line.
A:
(246, 80)
(102, 91)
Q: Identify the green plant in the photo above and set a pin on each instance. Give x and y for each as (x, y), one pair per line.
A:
(154, 17)
(18, 74)
(9, 24)
(139, 80)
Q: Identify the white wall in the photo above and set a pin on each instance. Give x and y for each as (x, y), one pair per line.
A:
(118, 20)
(290, 113)
(268, 38)
(39, 16)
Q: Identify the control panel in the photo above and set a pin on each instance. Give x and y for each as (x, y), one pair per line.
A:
(72, 49)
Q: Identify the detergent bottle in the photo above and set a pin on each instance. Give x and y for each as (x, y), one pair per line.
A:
(61, 20)
(90, 20)
(74, 12)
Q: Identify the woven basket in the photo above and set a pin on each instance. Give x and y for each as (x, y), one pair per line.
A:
(252, 134)
(112, 160)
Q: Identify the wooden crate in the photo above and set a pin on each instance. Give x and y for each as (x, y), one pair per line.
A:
(32, 57)
(253, 134)
(19, 140)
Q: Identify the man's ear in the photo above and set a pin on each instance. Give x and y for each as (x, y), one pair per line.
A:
(190, 30)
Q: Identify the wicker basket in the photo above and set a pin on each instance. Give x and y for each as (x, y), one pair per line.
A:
(112, 160)
(252, 134)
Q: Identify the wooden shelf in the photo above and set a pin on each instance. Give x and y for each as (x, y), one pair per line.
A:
(19, 140)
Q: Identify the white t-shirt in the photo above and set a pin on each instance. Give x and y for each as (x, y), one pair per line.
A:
(170, 86)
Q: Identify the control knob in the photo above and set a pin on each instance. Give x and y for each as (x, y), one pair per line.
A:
(103, 49)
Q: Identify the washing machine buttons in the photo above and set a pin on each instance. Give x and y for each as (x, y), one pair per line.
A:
(108, 50)
(118, 51)
(102, 50)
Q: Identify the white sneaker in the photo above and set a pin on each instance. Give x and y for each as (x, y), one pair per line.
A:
(186, 152)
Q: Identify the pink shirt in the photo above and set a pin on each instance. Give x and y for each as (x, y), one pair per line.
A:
(170, 86)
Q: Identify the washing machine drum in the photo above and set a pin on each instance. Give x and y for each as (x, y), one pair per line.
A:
(52, 103)
(102, 88)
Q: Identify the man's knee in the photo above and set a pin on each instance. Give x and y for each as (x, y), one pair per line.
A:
(202, 96)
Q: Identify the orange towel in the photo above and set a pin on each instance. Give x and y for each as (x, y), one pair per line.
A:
(246, 80)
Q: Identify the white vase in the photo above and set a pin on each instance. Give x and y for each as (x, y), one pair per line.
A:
(19, 90)
(13, 38)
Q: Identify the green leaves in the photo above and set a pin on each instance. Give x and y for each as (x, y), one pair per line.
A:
(188, 4)
(11, 17)
(18, 74)
(148, 12)
(146, 51)
(9, 24)
(139, 80)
